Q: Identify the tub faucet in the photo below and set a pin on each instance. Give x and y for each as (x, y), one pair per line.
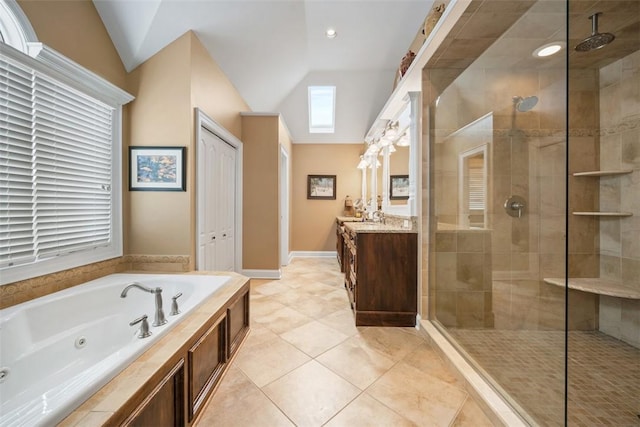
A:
(159, 318)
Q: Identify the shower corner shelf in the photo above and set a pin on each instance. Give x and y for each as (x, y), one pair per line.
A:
(610, 214)
(596, 285)
(603, 173)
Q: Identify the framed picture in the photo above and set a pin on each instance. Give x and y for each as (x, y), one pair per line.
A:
(157, 169)
(321, 187)
(399, 187)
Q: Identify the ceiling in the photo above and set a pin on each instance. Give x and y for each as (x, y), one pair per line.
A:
(271, 50)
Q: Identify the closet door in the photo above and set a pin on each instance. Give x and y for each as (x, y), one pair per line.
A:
(218, 200)
(226, 213)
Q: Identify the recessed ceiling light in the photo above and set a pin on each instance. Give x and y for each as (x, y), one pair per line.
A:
(331, 33)
(548, 49)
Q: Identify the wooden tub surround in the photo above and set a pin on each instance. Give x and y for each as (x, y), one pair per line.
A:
(169, 384)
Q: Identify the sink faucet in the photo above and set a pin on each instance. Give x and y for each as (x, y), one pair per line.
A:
(159, 318)
(378, 216)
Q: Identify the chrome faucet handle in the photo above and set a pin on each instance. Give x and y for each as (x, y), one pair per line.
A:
(144, 326)
(174, 304)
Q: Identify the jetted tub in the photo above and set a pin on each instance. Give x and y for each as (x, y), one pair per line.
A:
(58, 350)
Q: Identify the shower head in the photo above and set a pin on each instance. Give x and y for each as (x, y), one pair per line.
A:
(596, 40)
(524, 104)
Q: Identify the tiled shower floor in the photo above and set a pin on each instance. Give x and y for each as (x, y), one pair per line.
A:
(604, 374)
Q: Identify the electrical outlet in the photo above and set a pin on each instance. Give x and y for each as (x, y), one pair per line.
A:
(405, 224)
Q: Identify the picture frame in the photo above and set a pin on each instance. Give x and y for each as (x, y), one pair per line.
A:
(157, 169)
(321, 187)
(399, 187)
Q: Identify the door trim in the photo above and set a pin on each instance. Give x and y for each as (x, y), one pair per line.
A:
(203, 121)
(284, 206)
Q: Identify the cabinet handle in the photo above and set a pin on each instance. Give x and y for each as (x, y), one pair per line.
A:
(224, 235)
(213, 238)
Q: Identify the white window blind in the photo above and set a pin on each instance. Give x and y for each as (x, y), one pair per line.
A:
(56, 169)
(476, 183)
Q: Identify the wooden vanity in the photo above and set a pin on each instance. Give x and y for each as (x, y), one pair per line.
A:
(379, 262)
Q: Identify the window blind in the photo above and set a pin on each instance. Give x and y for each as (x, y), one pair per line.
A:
(476, 183)
(56, 167)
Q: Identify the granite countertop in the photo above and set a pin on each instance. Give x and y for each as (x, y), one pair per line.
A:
(376, 227)
(348, 219)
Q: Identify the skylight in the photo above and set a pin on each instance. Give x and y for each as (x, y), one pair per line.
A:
(322, 105)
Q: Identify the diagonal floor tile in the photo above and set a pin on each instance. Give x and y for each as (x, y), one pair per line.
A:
(282, 319)
(342, 320)
(237, 402)
(393, 342)
(314, 338)
(269, 360)
(365, 411)
(311, 394)
(418, 396)
(471, 416)
(359, 364)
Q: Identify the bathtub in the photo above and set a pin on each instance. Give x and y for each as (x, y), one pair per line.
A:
(56, 351)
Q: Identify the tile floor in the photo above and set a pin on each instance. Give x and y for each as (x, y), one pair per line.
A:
(304, 363)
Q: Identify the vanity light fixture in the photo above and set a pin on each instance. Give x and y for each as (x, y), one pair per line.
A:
(330, 33)
(548, 49)
(404, 140)
(363, 163)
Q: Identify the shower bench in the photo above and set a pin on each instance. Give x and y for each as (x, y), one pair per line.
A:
(597, 286)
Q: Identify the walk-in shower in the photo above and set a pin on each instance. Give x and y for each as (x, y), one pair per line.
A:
(531, 210)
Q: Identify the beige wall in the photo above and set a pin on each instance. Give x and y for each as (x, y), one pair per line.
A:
(75, 29)
(313, 221)
(212, 91)
(260, 225)
(163, 223)
(159, 222)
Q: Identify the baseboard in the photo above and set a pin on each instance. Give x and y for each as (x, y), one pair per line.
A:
(262, 274)
(313, 254)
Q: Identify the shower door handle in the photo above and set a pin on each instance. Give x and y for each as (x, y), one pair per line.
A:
(514, 206)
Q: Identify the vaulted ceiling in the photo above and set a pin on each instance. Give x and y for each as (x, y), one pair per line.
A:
(271, 50)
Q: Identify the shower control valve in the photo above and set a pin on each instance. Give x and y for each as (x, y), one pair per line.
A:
(514, 206)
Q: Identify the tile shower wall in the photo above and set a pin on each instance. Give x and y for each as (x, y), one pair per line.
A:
(526, 158)
(619, 238)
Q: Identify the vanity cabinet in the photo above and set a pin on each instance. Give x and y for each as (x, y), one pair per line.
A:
(341, 244)
(381, 277)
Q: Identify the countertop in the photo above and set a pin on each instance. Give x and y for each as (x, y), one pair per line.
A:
(376, 227)
(348, 219)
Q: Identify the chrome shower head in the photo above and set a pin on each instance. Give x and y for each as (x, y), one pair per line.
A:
(596, 40)
(524, 104)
